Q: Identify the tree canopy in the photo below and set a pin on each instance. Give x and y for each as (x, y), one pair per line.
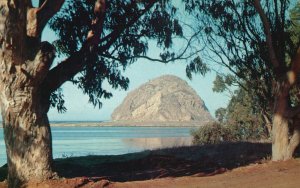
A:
(128, 29)
(234, 38)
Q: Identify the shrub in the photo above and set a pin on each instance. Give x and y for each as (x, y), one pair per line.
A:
(213, 133)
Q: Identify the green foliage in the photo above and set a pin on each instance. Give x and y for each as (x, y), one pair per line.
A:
(221, 114)
(244, 117)
(196, 66)
(3, 172)
(222, 83)
(241, 120)
(128, 28)
(295, 18)
(294, 28)
(212, 133)
(57, 100)
(233, 34)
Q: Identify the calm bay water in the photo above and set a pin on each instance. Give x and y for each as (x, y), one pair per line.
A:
(80, 141)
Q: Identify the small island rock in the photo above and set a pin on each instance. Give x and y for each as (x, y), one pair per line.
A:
(164, 99)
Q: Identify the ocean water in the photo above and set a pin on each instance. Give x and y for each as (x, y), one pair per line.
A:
(81, 141)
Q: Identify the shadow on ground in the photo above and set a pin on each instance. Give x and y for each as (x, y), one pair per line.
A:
(173, 162)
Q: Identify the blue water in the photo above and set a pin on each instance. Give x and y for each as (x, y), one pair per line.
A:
(80, 141)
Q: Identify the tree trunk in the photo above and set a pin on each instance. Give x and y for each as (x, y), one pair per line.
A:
(294, 142)
(285, 130)
(283, 143)
(28, 146)
(24, 64)
(280, 138)
(24, 90)
(26, 127)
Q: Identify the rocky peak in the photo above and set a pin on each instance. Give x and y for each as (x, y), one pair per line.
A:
(164, 99)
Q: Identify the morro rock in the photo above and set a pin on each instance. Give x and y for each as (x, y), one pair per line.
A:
(164, 99)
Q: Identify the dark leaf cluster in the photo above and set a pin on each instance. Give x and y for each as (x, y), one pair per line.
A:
(57, 100)
(196, 66)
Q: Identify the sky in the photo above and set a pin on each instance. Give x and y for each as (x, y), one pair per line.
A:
(78, 108)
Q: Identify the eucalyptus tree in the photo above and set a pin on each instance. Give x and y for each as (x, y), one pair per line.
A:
(255, 41)
(98, 39)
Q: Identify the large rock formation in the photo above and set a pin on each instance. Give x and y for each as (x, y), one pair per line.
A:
(164, 99)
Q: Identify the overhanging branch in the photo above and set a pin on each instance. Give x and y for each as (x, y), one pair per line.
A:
(67, 69)
(180, 56)
(75, 63)
(267, 30)
(112, 37)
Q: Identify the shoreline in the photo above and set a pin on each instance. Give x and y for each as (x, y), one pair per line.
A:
(123, 124)
(127, 124)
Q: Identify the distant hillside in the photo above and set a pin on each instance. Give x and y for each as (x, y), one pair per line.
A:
(164, 99)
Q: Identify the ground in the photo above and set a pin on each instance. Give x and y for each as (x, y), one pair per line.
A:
(232, 165)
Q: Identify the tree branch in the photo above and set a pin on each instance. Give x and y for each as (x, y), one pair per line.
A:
(181, 56)
(39, 67)
(75, 63)
(294, 141)
(268, 121)
(37, 18)
(267, 30)
(111, 38)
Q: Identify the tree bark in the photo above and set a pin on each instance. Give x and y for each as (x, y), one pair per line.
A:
(285, 122)
(24, 97)
(28, 147)
(24, 63)
(294, 142)
(283, 144)
(280, 138)
(24, 111)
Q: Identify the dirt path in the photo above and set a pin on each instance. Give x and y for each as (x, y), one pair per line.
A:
(272, 174)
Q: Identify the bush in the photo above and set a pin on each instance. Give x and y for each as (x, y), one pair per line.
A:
(213, 133)
(245, 131)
